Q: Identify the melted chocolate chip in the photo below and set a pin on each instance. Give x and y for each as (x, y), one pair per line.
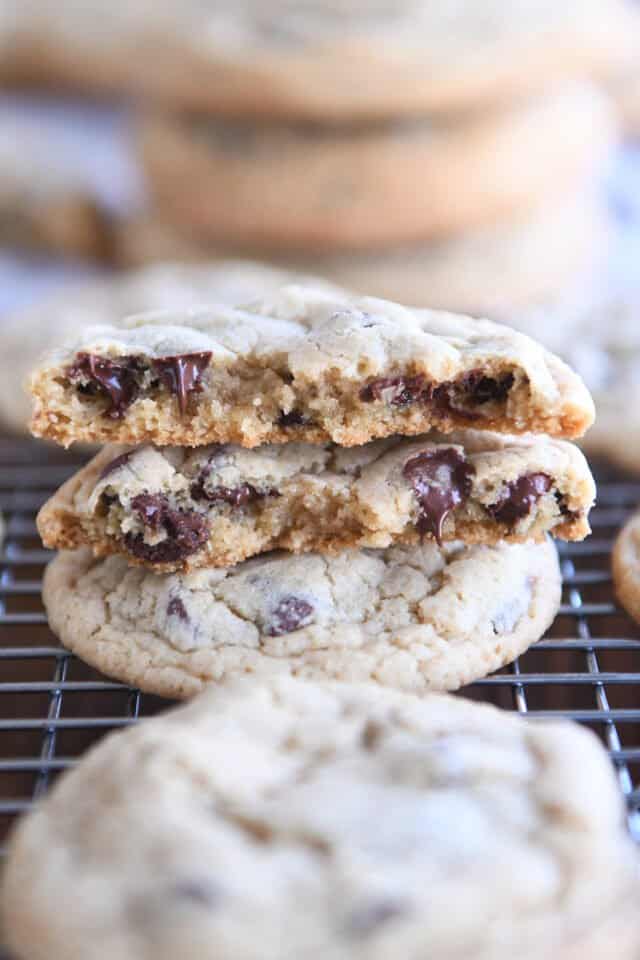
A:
(290, 614)
(181, 375)
(402, 390)
(441, 480)
(371, 734)
(519, 498)
(186, 530)
(115, 379)
(292, 419)
(367, 920)
(176, 608)
(473, 389)
(116, 464)
(235, 496)
(566, 512)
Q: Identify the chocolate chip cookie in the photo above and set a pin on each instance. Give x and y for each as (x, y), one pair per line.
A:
(321, 60)
(305, 364)
(285, 819)
(413, 617)
(287, 188)
(174, 508)
(625, 562)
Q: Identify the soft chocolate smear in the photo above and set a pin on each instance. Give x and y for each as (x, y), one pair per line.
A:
(176, 608)
(441, 481)
(402, 390)
(519, 498)
(115, 379)
(187, 531)
(181, 375)
(290, 614)
(235, 496)
(115, 464)
(294, 418)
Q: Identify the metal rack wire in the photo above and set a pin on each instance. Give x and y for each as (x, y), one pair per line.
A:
(53, 706)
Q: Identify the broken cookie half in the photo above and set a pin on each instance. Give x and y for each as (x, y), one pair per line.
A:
(178, 509)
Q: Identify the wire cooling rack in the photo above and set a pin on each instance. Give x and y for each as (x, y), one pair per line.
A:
(53, 706)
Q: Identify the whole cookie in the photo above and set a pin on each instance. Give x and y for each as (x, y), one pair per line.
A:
(416, 618)
(29, 332)
(284, 188)
(339, 59)
(625, 563)
(283, 819)
(308, 363)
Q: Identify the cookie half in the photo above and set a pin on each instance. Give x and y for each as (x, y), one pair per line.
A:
(417, 618)
(305, 364)
(174, 508)
(285, 819)
(339, 60)
(284, 188)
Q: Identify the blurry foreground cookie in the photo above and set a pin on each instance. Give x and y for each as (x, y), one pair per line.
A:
(416, 618)
(324, 60)
(288, 188)
(282, 819)
(28, 333)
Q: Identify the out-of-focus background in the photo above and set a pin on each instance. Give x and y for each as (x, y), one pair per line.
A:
(466, 155)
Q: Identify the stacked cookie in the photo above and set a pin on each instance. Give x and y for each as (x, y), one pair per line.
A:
(413, 151)
(319, 484)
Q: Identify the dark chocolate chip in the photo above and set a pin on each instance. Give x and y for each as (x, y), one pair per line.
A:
(294, 418)
(403, 390)
(289, 615)
(371, 734)
(566, 512)
(519, 497)
(235, 496)
(115, 379)
(481, 389)
(181, 375)
(187, 531)
(365, 921)
(116, 464)
(176, 608)
(441, 480)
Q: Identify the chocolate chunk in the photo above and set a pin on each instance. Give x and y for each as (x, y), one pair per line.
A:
(481, 389)
(290, 614)
(235, 496)
(371, 734)
(115, 379)
(293, 419)
(181, 375)
(368, 919)
(441, 480)
(116, 464)
(186, 530)
(566, 512)
(519, 498)
(402, 390)
(176, 608)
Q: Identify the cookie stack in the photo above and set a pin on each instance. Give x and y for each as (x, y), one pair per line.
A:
(414, 151)
(317, 484)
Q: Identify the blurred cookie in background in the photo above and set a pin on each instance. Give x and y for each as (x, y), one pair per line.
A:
(322, 59)
(275, 187)
(31, 331)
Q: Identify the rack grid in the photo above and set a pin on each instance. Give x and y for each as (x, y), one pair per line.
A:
(53, 706)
